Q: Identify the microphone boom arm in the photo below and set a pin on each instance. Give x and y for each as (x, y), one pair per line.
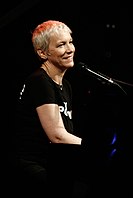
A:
(98, 75)
(84, 66)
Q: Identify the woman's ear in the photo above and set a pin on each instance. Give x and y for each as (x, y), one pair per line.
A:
(42, 54)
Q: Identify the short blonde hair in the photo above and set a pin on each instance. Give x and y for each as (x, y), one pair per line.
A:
(41, 34)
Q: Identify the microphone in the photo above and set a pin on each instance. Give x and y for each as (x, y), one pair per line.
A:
(97, 75)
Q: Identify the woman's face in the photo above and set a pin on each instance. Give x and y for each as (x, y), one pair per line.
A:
(61, 50)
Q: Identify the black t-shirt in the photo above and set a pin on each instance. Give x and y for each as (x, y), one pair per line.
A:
(38, 89)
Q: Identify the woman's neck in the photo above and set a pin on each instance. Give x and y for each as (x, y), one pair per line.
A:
(53, 72)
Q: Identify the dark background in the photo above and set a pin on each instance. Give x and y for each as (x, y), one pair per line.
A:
(102, 36)
(103, 40)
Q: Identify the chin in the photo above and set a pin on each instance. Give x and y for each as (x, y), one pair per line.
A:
(70, 64)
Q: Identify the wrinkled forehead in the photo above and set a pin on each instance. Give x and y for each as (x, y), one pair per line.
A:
(60, 36)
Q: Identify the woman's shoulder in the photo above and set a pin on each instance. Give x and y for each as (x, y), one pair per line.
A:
(37, 73)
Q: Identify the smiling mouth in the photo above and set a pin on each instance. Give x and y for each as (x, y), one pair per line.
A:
(70, 57)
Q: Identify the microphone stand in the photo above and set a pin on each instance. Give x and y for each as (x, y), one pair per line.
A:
(105, 78)
(98, 75)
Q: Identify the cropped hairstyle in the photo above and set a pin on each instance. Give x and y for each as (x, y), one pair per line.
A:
(42, 33)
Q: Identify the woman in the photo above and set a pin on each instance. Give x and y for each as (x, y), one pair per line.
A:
(44, 110)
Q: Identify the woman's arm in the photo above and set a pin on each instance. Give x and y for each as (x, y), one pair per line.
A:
(52, 124)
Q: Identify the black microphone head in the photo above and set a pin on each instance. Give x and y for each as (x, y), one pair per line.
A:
(83, 65)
